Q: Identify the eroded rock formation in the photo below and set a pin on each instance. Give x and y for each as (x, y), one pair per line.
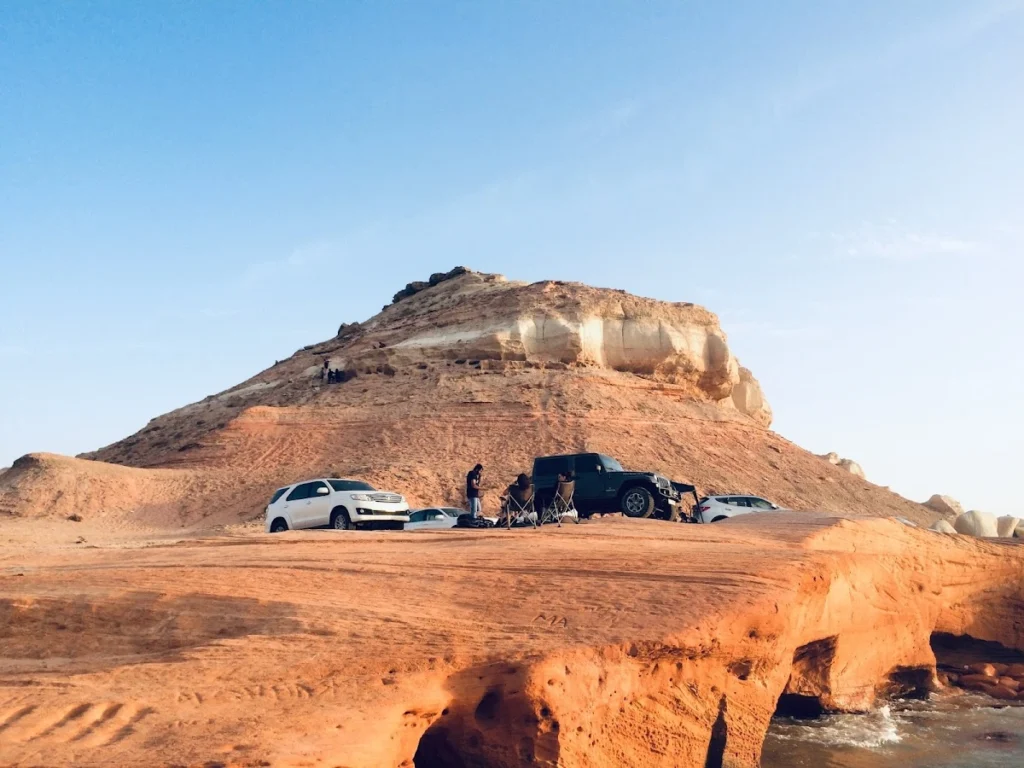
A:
(616, 643)
(485, 317)
(946, 506)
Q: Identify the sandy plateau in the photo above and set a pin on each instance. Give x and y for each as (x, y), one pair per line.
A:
(146, 619)
(612, 643)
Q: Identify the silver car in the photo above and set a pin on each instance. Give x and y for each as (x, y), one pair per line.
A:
(711, 509)
(436, 518)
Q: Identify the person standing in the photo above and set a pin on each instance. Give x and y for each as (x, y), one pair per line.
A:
(473, 490)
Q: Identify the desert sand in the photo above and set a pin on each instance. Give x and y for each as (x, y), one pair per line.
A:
(609, 643)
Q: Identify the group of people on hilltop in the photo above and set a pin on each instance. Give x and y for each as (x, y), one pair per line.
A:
(330, 375)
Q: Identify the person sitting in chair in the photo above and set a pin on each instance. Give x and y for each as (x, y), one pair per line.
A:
(521, 492)
(562, 502)
(518, 490)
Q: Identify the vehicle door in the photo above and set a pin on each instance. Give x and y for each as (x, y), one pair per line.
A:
(438, 520)
(758, 504)
(295, 504)
(590, 480)
(417, 520)
(318, 508)
(741, 502)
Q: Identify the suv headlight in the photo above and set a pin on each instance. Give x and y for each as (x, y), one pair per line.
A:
(359, 497)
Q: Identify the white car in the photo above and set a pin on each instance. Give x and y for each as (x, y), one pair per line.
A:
(437, 518)
(714, 508)
(335, 503)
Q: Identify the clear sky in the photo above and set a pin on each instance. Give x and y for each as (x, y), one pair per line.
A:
(191, 190)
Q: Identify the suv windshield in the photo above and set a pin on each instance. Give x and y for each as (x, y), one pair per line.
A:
(611, 464)
(277, 494)
(350, 485)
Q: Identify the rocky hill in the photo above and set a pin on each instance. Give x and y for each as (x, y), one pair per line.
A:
(462, 368)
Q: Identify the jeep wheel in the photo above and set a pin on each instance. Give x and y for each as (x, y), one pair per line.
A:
(340, 521)
(637, 502)
(278, 526)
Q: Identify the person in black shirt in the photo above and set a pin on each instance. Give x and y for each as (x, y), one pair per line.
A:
(473, 490)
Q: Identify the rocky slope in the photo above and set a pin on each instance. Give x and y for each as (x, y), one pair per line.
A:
(463, 368)
(619, 642)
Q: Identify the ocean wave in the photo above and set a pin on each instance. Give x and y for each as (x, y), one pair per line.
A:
(868, 731)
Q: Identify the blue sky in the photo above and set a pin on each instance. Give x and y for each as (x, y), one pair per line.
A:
(189, 191)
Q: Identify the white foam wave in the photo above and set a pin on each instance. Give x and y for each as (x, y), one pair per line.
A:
(869, 731)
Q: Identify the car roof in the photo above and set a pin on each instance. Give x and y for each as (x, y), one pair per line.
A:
(572, 455)
(321, 480)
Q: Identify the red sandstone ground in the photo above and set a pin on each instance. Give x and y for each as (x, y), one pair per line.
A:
(611, 643)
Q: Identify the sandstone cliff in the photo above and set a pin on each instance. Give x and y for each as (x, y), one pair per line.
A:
(616, 643)
(552, 324)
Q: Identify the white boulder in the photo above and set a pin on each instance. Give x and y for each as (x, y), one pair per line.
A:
(976, 523)
(848, 464)
(942, 526)
(1006, 526)
(944, 505)
(853, 468)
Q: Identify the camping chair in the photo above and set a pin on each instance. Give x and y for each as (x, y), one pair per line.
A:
(517, 509)
(561, 505)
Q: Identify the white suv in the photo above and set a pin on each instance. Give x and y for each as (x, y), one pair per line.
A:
(714, 508)
(340, 504)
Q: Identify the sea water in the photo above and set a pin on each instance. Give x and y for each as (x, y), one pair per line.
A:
(954, 730)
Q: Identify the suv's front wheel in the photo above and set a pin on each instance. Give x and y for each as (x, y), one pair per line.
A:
(637, 502)
(340, 521)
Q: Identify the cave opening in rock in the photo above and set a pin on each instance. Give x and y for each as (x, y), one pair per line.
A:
(953, 652)
(489, 706)
(799, 707)
(437, 750)
(809, 680)
(907, 683)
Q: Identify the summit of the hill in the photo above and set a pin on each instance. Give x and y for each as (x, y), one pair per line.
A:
(490, 322)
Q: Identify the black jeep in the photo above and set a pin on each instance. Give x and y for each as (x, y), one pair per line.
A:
(602, 485)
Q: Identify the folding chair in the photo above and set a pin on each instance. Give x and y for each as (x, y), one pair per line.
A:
(561, 505)
(517, 509)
